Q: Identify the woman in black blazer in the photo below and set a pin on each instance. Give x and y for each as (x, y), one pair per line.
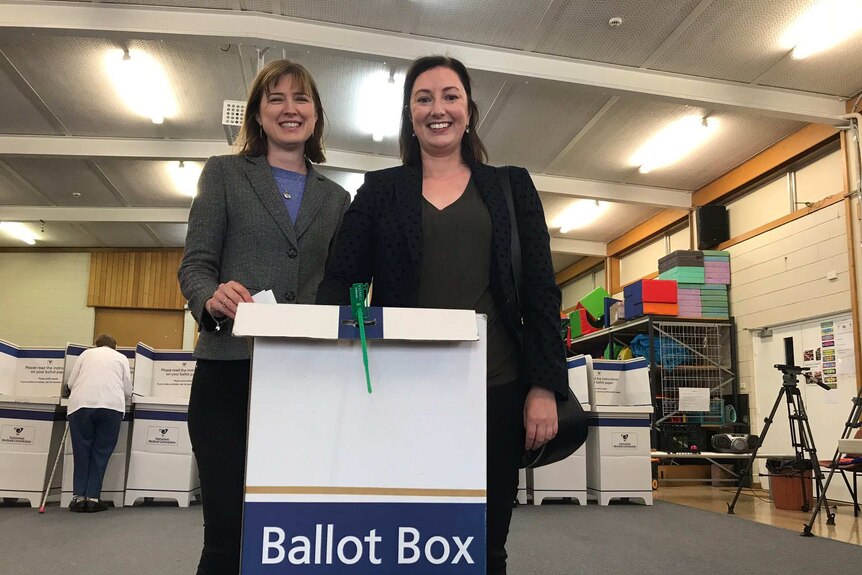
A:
(436, 233)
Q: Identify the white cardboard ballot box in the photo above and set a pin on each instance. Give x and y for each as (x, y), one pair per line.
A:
(161, 462)
(340, 480)
(618, 456)
(620, 383)
(567, 478)
(31, 421)
(114, 483)
(618, 444)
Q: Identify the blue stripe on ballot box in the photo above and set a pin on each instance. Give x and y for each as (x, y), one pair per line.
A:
(349, 329)
(367, 538)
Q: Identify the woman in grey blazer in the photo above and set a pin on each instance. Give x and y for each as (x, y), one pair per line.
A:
(262, 219)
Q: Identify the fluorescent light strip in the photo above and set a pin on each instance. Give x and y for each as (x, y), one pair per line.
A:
(673, 142)
(142, 84)
(185, 176)
(378, 107)
(19, 231)
(824, 25)
(580, 214)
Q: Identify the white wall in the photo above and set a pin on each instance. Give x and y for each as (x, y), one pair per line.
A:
(573, 291)
(45, 299)
(780, 277)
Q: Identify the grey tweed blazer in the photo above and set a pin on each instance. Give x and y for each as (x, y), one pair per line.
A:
(239, 229)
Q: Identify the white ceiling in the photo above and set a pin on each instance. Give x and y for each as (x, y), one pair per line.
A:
(560, 92)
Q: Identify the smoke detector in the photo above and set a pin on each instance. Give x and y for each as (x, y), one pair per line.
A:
(615, 22)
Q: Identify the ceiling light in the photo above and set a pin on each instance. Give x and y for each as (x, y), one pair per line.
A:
(673, 142)
(185, 176)
(579, 214)
(19, 231)
(142, 84)
(824, 25)
(379, 105)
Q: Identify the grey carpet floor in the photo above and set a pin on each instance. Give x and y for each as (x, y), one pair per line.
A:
(548, 540)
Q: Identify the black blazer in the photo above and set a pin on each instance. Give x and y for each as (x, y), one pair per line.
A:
(380, 239)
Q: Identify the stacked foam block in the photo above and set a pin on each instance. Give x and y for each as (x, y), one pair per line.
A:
(702, 280)
(650, 297)
(589, 313)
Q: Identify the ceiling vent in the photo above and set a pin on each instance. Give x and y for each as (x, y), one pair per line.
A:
(232, 114)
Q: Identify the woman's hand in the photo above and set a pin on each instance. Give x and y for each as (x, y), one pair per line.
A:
(540, 417)
(225, 299)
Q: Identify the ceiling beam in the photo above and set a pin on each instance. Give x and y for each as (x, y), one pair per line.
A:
(578, 247)
(181, 216)
(612, 192)
(92, 214)
(88, 19)
(79, 147)
(82, 147)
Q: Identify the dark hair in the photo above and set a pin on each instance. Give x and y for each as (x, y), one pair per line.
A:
(472, 149)
(252, 140)
(105, 340)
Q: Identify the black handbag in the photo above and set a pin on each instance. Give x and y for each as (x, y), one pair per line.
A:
(571, 420)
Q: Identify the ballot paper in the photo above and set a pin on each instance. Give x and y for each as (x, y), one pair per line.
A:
(265, 296)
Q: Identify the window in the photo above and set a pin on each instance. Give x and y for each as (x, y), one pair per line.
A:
(760, 206)
(820, 179)
(642, 262)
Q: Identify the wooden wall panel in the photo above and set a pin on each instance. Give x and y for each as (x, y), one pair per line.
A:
(139, 280)
(161, 329)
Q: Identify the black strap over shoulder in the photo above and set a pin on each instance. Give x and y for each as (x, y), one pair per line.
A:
(572, 421)
(517, 270)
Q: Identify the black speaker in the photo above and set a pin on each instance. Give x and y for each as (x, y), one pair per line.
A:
(712, 226)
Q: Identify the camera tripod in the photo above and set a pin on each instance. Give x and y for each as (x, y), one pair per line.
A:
(854, 421)
(800, 436)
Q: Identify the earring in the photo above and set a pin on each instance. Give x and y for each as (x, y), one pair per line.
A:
(468, 129)
(413, 134)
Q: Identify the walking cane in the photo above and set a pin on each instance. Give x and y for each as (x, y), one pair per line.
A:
(54, 470)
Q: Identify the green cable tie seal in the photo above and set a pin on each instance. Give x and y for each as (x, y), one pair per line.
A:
(358, 293)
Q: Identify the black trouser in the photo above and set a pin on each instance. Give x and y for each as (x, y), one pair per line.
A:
(506, 437)
(218, 425)
(94, 432)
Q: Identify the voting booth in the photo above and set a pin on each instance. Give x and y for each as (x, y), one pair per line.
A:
(567, 478)
(618, 445)
(114, 483)
(339, 479)
(31, 420)
(525, 491)
(161, 462)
